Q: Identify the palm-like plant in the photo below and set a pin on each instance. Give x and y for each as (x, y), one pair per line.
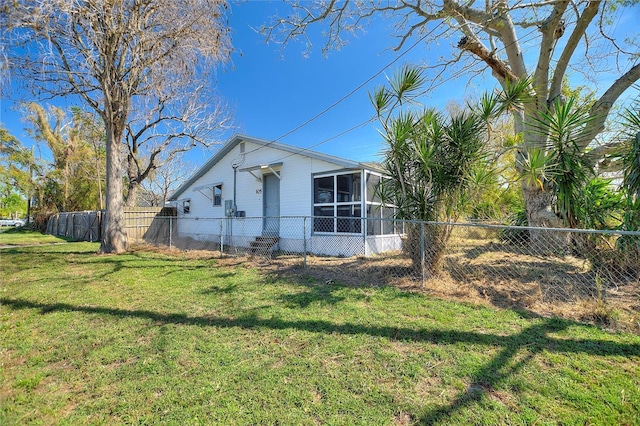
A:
(631, 166)
(629, 244)
(429, 160)
(566, 166)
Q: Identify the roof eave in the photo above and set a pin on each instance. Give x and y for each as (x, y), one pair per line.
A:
(237, 138)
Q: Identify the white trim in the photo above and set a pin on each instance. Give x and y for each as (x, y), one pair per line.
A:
(209, 186)
(262, 168)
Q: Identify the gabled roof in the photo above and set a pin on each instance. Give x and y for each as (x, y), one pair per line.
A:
(236, 139)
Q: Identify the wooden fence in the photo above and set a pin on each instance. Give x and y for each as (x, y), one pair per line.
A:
(140, 223)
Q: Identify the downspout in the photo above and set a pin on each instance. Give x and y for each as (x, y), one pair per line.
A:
(235, 178)
(235, 207)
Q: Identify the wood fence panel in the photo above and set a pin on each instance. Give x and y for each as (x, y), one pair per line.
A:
(88, 225)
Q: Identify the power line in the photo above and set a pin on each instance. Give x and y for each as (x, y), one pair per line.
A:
(344, 132)
(351, 93)
(360, 86)
(371, 119)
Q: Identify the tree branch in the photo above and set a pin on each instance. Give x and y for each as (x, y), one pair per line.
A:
(601, 108)
(583, 22)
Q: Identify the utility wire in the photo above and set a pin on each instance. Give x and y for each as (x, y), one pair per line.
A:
(344, 132)
(351, 93)
(371, 119)
(361, 85)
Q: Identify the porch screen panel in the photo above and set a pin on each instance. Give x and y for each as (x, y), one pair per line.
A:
(323, 224)
(349, 219)
(323, 190)
(380, 217)
(337, 203)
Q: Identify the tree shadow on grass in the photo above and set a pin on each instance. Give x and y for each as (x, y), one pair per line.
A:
(533, 339)
(318, 294)
(216, 289)
(134, 260)
(42, 249)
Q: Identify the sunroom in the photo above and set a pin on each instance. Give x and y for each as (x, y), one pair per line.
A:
(349, 214)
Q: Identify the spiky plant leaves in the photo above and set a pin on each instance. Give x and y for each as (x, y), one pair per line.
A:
(514, 95)
(429, 158)
(488, 106)
(599, 205)
(567, 167)
(407, 83)
(536, 167)
(381, 99)
(631, 156)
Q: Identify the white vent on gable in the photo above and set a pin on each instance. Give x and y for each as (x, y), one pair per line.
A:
(241, 147)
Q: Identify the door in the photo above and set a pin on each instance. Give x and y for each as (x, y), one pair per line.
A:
(271, 207)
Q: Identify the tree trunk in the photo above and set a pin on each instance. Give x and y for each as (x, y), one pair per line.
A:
(540, 213)
(114, 237)
(99, 179)
(426, 245)
(132, 193)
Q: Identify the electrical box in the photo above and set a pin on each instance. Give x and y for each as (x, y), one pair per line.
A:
(229, 208)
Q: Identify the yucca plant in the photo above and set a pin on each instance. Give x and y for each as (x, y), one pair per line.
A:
(600, 205)
(429, 160)
(629, 245)
(631, 166)
(568, 169)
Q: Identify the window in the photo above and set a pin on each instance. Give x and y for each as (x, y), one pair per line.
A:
(372, 183)
(186, 206)
(217, 195)
(349, 188)
(380, 217)
(323, 190)
(337, 203)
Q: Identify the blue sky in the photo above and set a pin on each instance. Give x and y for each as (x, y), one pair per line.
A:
(272, 91)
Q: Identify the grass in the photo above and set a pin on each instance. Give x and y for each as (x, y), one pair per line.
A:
(151, 338)
(23, 236)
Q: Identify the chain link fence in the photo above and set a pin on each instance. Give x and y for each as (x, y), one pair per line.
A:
(594, 275)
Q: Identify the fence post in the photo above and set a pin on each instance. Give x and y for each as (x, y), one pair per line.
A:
(304, 243)
(170, 232)
(88, 232)
(100, 222)
(363, 229)
(83, 219)
(422, 248)
(221, 238)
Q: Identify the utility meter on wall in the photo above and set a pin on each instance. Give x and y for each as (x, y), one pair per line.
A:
(229, 208)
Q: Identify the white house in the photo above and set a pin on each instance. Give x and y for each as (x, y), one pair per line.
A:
(291, 199)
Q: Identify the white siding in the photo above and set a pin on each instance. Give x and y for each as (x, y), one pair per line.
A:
(207, 222)
(296, 187)
(295, 184)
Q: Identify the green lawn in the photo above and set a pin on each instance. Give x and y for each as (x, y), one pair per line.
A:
(24, 236)
(147, 338)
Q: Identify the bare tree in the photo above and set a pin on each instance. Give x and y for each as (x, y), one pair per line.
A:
(162, 181)
(169, 126)
(111, 53)
(493, 35)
